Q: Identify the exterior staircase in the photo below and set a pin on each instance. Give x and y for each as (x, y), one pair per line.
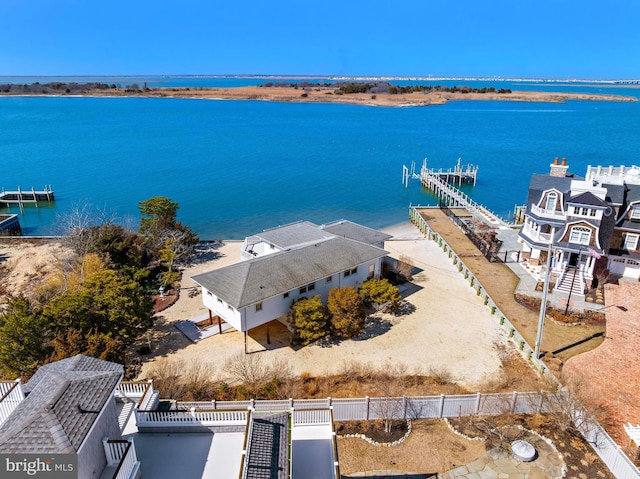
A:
(571, 283)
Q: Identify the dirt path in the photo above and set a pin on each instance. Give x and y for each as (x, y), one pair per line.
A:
(500, 282)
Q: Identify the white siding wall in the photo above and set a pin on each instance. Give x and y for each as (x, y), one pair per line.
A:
(278, 306)
(230, 315)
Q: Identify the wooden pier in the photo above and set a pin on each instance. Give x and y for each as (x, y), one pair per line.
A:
(457, 175)
(22, 197)
(438, 182)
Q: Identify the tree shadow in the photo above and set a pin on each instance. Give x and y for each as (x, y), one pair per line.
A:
(3, 258)
(406, 308)
(374, 326)
(204, 251)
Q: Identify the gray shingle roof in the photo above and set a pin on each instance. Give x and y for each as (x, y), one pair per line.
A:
(268, 451)
(355, 231)
(542, 183)
(615, 193)
(64, 400)
(293, 234)
(252, 281)
(587, 198)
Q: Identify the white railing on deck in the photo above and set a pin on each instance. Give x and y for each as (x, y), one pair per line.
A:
(548, 214)
(142, 391)
(122, 454)
(132, 389)
(192, 417)
(311, 416)
(11, 395)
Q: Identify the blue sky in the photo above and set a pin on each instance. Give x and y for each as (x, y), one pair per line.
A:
(516, 38)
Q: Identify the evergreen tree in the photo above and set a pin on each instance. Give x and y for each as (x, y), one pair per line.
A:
(381, 293)
(309, 319)
(22, 347)
(347, 312)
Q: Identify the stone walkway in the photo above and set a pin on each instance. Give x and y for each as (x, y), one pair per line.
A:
(500, 463)
(496, 464)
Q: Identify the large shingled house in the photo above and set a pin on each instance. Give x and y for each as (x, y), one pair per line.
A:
(583, 221)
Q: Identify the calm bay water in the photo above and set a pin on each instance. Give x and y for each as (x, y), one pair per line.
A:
(237, 167)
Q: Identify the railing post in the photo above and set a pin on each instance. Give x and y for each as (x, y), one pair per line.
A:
(515, 398)
(367, 403)
(477, 402)
(404, 405)
(441, 405)
(329, 403)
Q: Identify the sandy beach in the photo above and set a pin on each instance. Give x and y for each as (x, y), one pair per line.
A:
(445, 327)
(326, 95)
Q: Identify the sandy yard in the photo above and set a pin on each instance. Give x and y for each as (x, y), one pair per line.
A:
(25, 263)
(445, 327)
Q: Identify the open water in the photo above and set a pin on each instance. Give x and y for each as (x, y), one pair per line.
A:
(237, 167)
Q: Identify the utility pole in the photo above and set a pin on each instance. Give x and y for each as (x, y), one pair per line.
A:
(543, 304)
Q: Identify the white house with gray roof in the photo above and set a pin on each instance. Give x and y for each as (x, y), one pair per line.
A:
(287, 263)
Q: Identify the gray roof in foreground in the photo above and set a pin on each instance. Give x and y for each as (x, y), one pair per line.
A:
(250, 282)
(354, 231)
(64, 401)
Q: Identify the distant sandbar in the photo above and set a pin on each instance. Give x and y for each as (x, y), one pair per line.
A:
(322, 94)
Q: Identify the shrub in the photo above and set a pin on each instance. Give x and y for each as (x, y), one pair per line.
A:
(309, 320)
(382, 294)
(347, 312)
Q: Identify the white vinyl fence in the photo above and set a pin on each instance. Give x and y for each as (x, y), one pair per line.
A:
(611, 454)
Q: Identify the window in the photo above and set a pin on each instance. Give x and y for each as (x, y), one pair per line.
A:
(347, 273)
(630, 241)
(354, 270)
(286, 295)
(585, 211)
(219, 301)
(592, 212)
(580, 235)
(329, 279)
(551, 202)
(308, 287)
(635, 213)
(258, 306)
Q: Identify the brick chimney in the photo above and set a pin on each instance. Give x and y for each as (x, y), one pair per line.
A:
(559, 170)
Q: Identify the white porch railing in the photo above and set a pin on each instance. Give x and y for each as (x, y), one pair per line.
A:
(122, 455)
(11, 394)
(193, 417)
(142, 391)
(559, 215)
(311, 416)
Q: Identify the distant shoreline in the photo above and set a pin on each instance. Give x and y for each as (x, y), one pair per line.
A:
(318, 94)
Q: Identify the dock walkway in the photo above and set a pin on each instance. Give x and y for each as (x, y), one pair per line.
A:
(22, 197)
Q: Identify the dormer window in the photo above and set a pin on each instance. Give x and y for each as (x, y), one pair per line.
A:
(552, 199)
(635, 213)
(580, 235)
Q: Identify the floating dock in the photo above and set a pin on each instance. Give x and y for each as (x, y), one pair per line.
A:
(22, 197)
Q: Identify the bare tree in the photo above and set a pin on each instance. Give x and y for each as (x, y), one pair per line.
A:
(390, 405)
